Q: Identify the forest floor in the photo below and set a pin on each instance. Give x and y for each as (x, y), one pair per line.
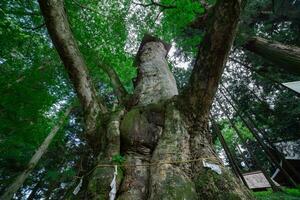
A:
(287, 194)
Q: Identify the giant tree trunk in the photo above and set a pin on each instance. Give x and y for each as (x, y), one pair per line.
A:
(283, 56)
(164, 137)
(157, 141)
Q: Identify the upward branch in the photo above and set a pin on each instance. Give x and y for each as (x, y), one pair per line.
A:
(116, 83)
(63, 39)
(212, 55)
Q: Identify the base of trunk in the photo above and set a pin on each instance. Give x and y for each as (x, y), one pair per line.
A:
(165, 157)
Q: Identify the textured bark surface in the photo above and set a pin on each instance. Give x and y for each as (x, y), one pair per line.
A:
(284, 56)
(142, 126)
(163, 148)
(157, 142)
(172, 181)
(67, 48)
(212, 55)
(155, 80)
(165, 139)
(100, 179)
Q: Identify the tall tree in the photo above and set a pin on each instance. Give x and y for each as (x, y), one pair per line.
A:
(231, 159)
(257, 161)
(157, 123)
(271, 157)
(13, 188)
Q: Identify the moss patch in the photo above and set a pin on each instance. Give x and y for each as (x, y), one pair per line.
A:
(99, 185)
(212, 186)
(176, 187)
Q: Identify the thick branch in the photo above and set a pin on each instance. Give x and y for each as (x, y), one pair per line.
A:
(212, 55)
(116, 83)
(283, 56)
(63, 39)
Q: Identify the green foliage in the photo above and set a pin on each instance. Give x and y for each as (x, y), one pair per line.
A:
(287, 194)
(118, 159)
(175, 22)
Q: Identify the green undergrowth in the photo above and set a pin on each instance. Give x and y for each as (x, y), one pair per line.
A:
(287, 194)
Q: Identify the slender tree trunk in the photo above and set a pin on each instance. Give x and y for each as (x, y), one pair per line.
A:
(254, 132)
(230, 157)
(13, 188)
(284, 56)
(278, 154)
(257, 161)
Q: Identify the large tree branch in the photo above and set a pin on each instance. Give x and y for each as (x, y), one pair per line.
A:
(116, 83)
(63, 39)
(283, 56)
(212, 55)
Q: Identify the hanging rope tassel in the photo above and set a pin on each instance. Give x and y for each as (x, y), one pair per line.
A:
(113, 185)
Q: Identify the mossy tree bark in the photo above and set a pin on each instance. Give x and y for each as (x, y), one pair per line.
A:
(163, 135)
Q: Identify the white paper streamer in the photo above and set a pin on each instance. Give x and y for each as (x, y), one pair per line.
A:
(214, 167)
(113, 185)
(78, 187)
